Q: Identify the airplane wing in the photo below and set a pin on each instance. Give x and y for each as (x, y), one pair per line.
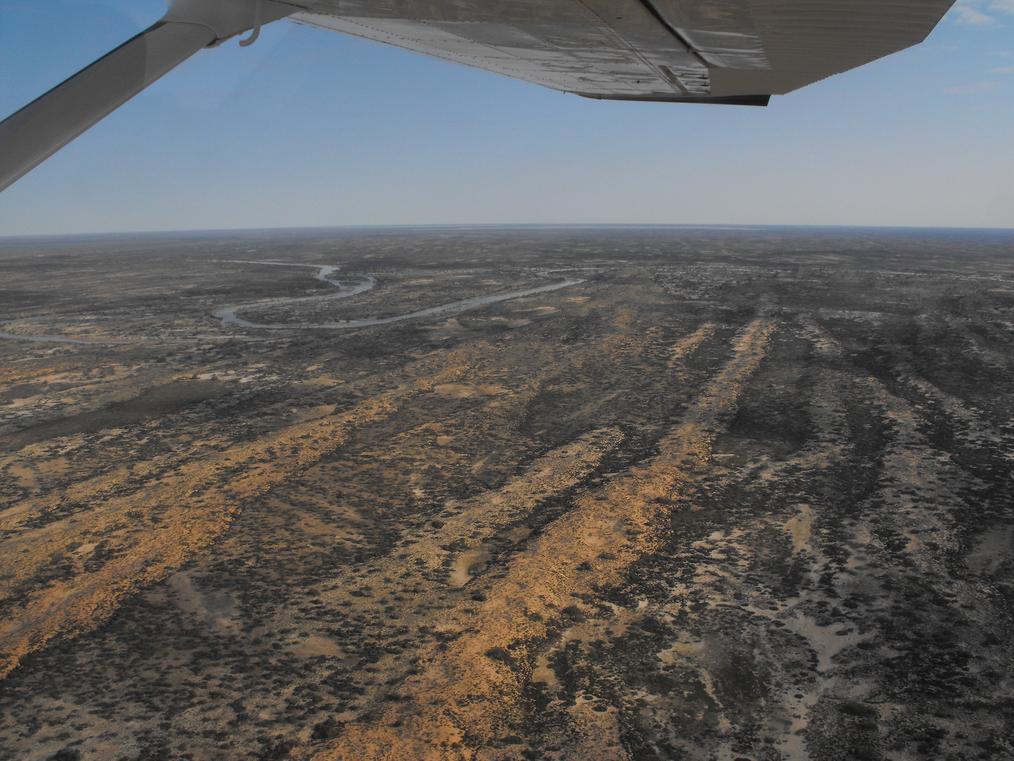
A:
(693, 51)
(719, 51)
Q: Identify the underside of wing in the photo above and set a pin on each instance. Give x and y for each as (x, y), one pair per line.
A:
(723, 51)
(39, 129)
(737, 52)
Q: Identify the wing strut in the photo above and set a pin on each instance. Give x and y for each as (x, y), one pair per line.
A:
(29, 136)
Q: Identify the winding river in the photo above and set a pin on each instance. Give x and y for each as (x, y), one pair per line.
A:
(229, 315)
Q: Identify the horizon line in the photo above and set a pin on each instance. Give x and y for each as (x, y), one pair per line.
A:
(498, 225)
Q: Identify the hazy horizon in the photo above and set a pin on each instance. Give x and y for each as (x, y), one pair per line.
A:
(508, 226)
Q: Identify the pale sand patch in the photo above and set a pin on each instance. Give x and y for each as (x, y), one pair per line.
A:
(216, 609)
(540, 310)
(461, 568)
(690, 343)
(316, 645)
(467, 390)
(800, 528)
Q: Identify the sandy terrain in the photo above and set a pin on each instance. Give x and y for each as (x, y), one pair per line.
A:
(714, 495)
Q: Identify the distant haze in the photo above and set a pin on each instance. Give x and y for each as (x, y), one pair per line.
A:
(311, 128)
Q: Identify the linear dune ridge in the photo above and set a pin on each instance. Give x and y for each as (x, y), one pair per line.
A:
(466, 694)
(185, 510)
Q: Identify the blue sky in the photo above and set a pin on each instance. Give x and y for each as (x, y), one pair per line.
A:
(308, 127)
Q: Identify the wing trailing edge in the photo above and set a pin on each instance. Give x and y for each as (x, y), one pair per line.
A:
(718, 100)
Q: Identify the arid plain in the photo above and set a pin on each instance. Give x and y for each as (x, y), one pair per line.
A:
(534, 493)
